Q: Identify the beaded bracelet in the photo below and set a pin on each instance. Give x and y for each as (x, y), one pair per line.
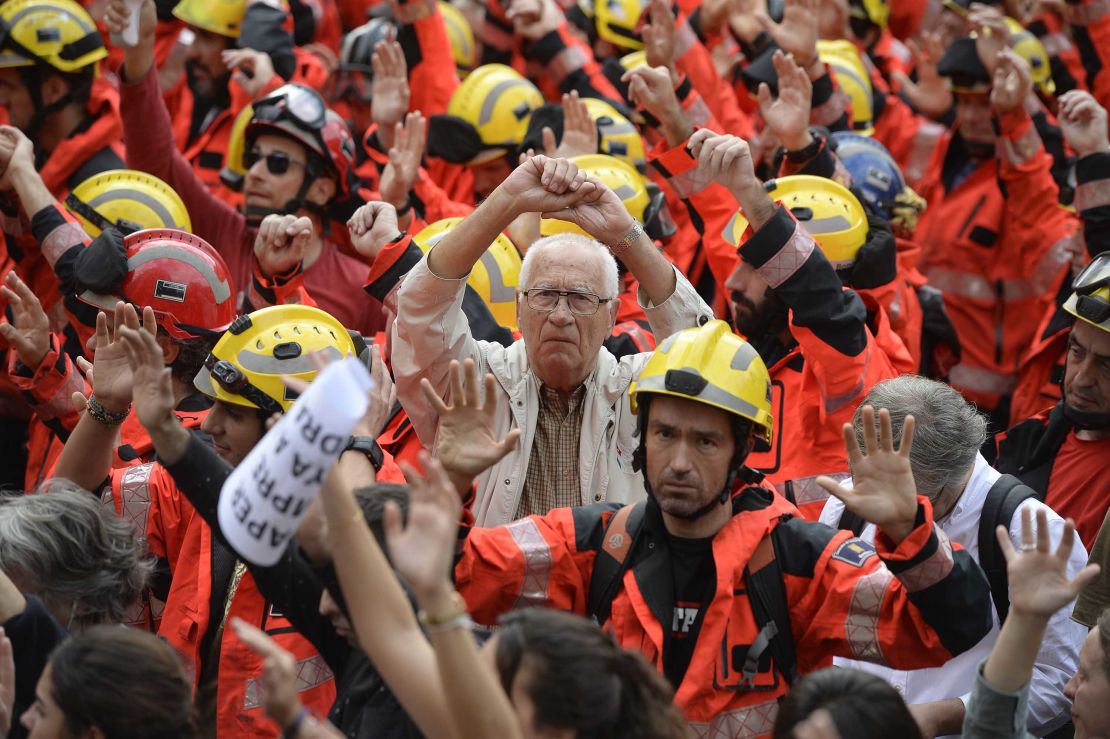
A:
(105, 416)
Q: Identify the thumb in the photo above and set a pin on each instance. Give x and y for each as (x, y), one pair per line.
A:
(763, 95)
(507, 444)
(549, 145)
(391, 522)
(765, 21)
(79, 402)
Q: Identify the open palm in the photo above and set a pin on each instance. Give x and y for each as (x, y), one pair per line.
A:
(111, 378)
(465, 441)
(883, 491)
(1038, 577)
(152, 390)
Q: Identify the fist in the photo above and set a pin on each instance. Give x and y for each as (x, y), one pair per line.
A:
(372, 227)
(281, 242)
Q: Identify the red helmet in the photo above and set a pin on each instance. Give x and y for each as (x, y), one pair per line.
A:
(181, 277)
(300, 113)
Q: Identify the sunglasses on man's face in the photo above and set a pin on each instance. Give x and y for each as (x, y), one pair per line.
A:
(276, 162)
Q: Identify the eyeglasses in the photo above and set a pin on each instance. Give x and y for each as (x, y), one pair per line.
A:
(580, 304)
(277, 162)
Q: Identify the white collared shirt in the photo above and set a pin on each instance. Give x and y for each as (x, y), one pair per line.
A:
(1058, 658)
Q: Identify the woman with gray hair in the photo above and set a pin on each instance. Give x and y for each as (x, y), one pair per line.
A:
(67, 563)
(951, 473)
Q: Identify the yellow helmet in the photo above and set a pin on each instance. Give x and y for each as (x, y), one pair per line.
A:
(830, 213)
(872, 11)
(709, 364)
(224, 17)
(853, 79)
(58, 33)
(641, 197)
(617, 136)
(128, 200)
(495, 276)
(617, 22)
(461, 36)
(496, 101)
(1029, 47)
(246, 365)
(235, 169)
(635, 60)
(1090, 300)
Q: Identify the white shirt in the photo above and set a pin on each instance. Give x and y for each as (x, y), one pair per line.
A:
(1058, 658)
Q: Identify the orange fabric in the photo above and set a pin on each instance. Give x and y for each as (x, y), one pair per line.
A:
(175, 532)
(1042, 363)
(998, 258)
(497, 562)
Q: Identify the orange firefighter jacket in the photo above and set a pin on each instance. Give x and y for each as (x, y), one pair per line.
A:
(843, 597)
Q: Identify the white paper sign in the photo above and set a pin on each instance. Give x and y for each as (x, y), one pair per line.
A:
(265, 497)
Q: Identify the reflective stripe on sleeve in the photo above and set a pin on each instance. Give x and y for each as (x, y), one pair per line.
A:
(862, 623)
(934, 569)
(537, 563)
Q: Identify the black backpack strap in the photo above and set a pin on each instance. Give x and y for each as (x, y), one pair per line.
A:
(1003, 500)
(851, 522)
(612, 559)
(767, 594)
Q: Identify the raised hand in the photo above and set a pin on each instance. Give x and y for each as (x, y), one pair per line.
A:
(110, 372)
(253, 69)
(534, 19)
(579, 129)
(466, 442)
(373, 226)
(279, 673)
(542, 184)
(117, 14)
(422, 551)
(993, 34)
(281, 243)
(600, 214)
(152, 389)
(929, 94)
(725, 159)
(1012, 82)
(389, 91)
(16, 153)
(797, 34)
(29, 332)
(883, 491)
(788, 115)
(652, 89)
(1083, 122)
(405, 156)
(1039, 584)
(659, 35)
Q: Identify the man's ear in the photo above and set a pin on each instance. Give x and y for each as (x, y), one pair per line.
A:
(614, 306)
(53, 89)
(321, 191)
(170, 348)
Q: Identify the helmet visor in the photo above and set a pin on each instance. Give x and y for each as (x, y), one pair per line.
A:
(1094, 275)
(293, 102)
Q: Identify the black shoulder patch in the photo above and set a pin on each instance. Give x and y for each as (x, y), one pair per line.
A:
(590, 523)
(799, 545)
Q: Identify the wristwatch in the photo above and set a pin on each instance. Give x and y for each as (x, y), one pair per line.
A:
(368, 446)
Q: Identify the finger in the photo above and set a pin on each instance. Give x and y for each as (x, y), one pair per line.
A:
(78, 402)
(549, 144)
(150, 321)
(85, 367)
(905, 446)
(490, 401)
(454, 381)
(255, 638)
(433, 398)
(392, 524)
(851, 445)
(764, 97)
(1026, 529)
(471, 384)
(506, 445)
(836, 489)
(1085, 577)
(886, 433)
(1067, 541)
(102, 337)
(296, 384)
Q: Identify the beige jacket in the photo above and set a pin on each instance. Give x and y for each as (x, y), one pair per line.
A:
(430, 330)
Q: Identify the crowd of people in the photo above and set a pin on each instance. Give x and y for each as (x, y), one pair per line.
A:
(740, 368)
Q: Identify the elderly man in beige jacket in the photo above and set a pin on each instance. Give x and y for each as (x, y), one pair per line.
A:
(557, 384)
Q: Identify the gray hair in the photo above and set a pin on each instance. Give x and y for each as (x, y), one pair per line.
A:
(76, 551)
(948, 434)
(611, 281)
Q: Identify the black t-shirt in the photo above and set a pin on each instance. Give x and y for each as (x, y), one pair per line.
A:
(695, 578)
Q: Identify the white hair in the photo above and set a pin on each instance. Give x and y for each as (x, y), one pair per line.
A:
(611, 282)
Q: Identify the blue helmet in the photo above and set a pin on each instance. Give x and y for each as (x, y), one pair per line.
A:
(874, 172)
